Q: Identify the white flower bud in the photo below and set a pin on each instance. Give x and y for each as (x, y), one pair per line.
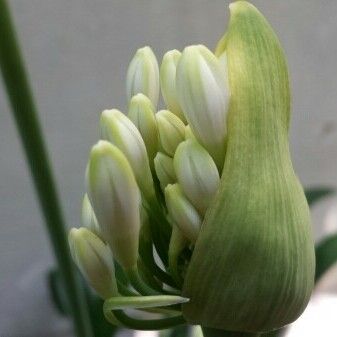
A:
(142, 114)
(120, 131)
(188, 133)
(168, 70)
(115, 198)
(88, 217)
(203, 94)
(163, 165)
(197, 174)
(143, 75)
(93, 257)
(171, 131)
(182, 212)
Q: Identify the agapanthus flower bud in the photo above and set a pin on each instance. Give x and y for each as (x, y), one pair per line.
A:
(203, 94)
(141, 113)
(188, 133)
(182, 212)
(168, 70)
(163, 165)
(197, 174)
(120, 131)
(171, 131)
(115, 198)
(93, 257)
(229, 222)
(88, 217)
(143, 75)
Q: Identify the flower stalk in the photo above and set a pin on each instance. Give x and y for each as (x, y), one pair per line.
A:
(26, 118)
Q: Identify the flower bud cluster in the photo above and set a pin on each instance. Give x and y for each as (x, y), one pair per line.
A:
(187, 215)
(153, 174)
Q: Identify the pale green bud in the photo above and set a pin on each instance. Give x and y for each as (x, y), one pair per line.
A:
(93, 257)
(120, 131)
(171, 131)
(88, 217)
(163, 165)
(168, 70)
(197, 174)
(188, 133)
(115, 198)
(203, 94)
(142, 114)
(182, 212)
(143, 75)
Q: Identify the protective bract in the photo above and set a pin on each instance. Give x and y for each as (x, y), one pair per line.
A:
(115, 198)
(255, 246)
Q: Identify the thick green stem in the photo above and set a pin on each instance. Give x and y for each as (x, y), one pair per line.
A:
(26, 118)
(154, 324)
(208, 332)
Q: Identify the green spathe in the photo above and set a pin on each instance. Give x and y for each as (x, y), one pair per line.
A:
(259, 225)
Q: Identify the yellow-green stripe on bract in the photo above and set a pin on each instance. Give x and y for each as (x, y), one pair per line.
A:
(252, 268)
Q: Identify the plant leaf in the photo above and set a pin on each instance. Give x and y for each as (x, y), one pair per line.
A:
(326, 255)
(315, 194)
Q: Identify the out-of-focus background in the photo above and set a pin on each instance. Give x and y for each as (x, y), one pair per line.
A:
(77, 53)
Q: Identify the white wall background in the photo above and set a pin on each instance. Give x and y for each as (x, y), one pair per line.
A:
(77, 52)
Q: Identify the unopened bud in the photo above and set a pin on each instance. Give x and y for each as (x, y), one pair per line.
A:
(204, 96)
(197, 174)
(142, 114)
(88, 217)
(188, 133)
(171, 131)
(93, 257)
(168, 70)
(182, 212)
(120, 131)
(143, 75)
(164, 169)
(115, 198)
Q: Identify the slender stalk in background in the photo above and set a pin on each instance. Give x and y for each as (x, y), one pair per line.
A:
(26, 118)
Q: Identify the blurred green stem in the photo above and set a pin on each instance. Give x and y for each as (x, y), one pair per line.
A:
(25, 114)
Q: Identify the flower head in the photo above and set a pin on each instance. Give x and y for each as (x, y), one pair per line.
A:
(206, 184)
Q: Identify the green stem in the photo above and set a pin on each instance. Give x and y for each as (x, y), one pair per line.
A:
(138, 283)
(153, 324)
(208, 332)
(146, 253)
(25, 115)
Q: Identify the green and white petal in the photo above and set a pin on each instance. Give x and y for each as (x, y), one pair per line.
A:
(182, 212)
(115, 197)
(197, 174)
(93, 257)
(203, 94)
(120, 131)
(171, 131)
(168, 71)
(143, 75)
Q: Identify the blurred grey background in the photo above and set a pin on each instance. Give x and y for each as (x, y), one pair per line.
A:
(77, 53)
